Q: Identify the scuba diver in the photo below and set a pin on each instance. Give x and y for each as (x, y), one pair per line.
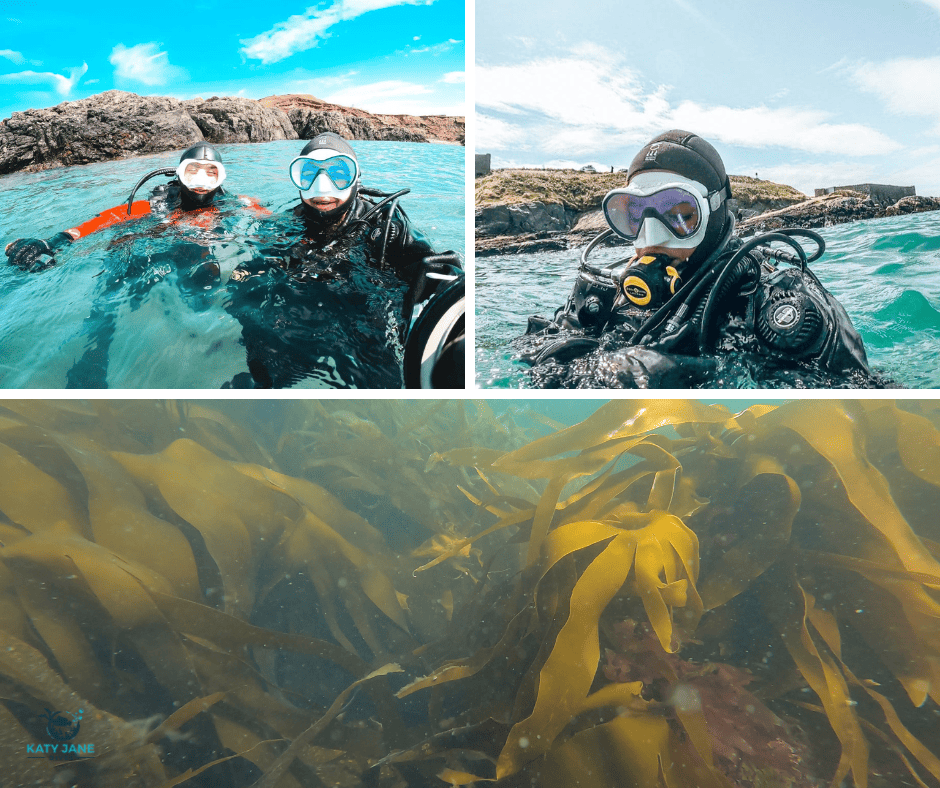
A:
(332, 295)
(191, 203)
(198, 183)
(693, 299)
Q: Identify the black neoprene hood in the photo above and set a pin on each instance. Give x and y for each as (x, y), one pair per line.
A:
(683, 153)
(201, 151)
(331, 141)
(689, 155)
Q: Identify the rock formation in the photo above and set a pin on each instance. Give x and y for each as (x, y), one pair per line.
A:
(308, 112)
(111, 125)
(117, 125)
(235, 119)
(835, 208)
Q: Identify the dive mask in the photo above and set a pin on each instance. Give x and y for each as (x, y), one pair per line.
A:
(200, 174)
(661, 209)
(339, 169)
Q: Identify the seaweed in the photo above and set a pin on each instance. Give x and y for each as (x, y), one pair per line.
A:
(387, 593)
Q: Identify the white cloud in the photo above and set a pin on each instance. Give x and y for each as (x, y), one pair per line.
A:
(573, 90)
(146, 64)
(934, 4)
(924, 174)
(788, 127)
(387, 97)
(908, 86)
(809, 176)
(304, 31)
(584, 141)
(434, 49)
(454, 77)
(494, 134)
(63, 85)
(920, 170)
(9, 54)
(592, 97)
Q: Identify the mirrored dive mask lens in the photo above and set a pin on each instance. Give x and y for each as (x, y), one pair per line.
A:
(676, 208)
(341, 170)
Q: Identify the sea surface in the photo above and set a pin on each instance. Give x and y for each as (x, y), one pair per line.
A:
(885, 272)
(165, 330)
(251, 593)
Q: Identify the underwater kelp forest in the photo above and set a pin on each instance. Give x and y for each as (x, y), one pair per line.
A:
(391, 593)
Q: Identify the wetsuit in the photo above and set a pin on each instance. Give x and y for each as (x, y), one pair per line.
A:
(334, 304)
(32, 254)
(772, 326)
(192, 261)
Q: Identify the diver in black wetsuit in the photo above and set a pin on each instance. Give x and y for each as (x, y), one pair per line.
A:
(333, 301)
(693, 296)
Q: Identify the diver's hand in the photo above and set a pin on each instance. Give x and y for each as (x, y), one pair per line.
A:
(644, 368)
(678, 341)
(435, 271)
(30, 254)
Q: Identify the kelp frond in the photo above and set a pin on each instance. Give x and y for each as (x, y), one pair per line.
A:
(665, 594)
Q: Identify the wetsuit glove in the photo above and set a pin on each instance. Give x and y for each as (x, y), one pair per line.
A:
(643, 368)
(33, 254)
(434, 270)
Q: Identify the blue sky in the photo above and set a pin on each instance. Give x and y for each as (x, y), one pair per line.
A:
(806, 93)
(390, 56)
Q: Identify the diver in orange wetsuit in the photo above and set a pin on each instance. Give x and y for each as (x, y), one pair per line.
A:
(194, 200)
(194, 190)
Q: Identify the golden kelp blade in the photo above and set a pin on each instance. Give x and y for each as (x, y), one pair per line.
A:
(663, 546)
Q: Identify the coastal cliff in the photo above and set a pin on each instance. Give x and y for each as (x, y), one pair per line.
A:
(117, 125)
(547, 210)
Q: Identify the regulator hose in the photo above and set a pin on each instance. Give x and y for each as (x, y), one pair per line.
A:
(719, 289)
(680, 301)
(142, 181)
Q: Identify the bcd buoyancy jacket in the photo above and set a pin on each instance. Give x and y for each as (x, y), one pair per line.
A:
(735, 301)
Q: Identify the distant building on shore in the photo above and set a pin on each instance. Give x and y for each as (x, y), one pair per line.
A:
(482, 164)
(883, 195)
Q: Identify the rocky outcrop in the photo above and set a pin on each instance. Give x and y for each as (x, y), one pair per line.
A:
(111, 125)
(830, 209)
(235, 119)
(307, 111)
(310, 122)
(913, 204)
(118, 125)
(523, 218)
(519, 244)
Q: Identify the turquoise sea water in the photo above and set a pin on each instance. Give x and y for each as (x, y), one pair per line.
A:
(885, 272)
(166, 332)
